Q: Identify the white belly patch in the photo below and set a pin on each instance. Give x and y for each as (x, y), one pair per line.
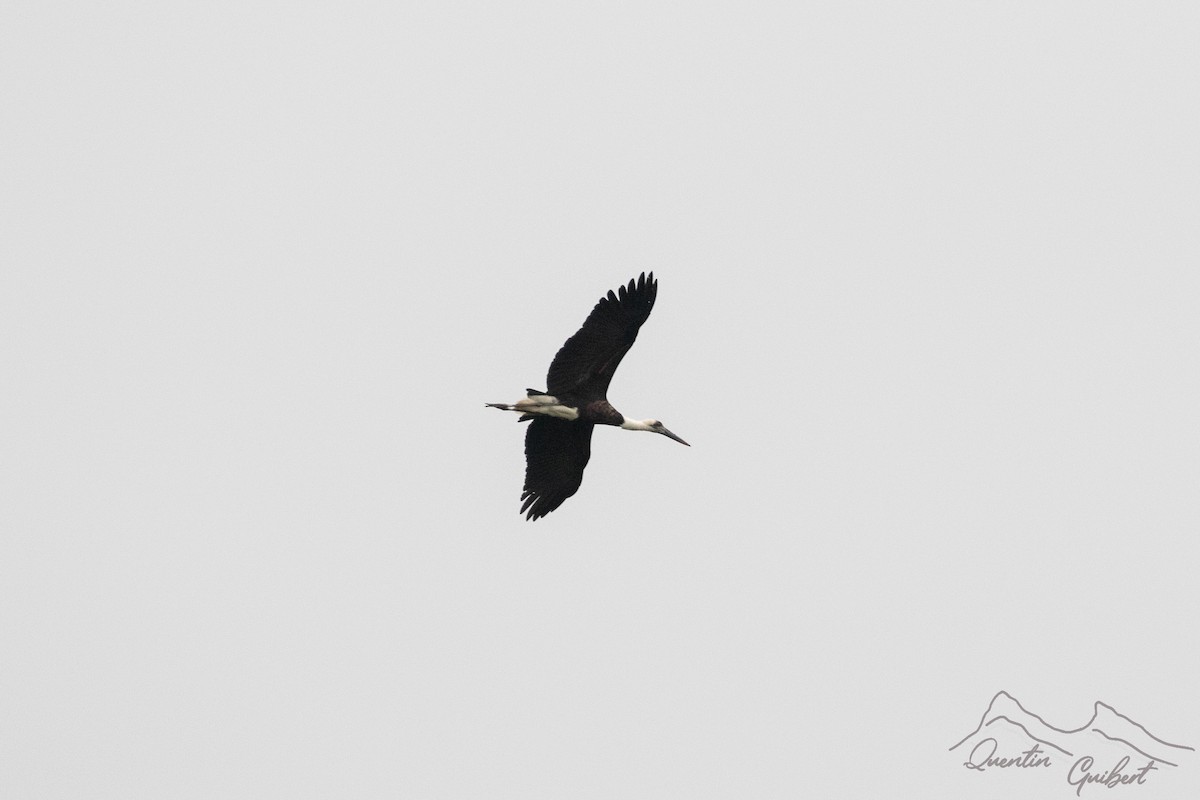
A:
(546, 405)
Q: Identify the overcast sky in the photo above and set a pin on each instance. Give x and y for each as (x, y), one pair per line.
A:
(927, 314)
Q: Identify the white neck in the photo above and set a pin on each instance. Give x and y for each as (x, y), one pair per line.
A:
(636, 424)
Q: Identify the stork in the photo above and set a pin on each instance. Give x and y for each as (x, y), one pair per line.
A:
(558, 442)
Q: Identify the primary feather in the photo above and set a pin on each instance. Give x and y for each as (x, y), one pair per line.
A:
(556, 451)
(590, 357)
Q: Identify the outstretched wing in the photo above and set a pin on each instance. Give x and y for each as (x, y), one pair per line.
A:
(556, 451)
(586, 363)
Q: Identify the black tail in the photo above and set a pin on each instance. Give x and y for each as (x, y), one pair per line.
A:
(532, 392)
(501, 406)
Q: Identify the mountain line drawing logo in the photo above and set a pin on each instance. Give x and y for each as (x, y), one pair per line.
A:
(1109, 750)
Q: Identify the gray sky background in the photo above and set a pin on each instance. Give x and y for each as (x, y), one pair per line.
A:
(927, 314)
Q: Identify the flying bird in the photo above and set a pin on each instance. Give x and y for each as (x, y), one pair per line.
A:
(558, 442)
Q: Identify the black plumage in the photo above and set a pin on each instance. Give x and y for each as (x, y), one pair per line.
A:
(556, 451)
(585, 364)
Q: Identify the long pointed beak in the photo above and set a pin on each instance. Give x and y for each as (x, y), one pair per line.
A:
(670, 435)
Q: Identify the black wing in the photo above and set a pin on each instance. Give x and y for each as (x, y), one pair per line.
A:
(556, 451)
(586, 363)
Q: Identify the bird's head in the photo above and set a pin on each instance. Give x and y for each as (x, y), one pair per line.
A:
(650, 425)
